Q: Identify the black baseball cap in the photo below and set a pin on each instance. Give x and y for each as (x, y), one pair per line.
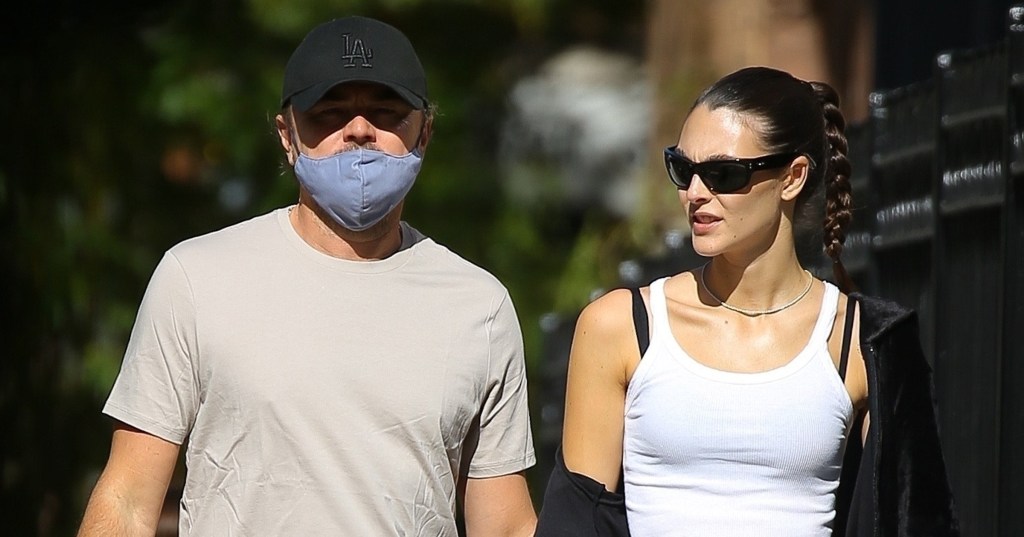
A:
(353, 49)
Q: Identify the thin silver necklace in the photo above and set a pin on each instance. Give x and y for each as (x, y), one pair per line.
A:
(755, 313)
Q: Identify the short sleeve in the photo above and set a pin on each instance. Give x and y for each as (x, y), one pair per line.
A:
(157, 389)
(504, 440)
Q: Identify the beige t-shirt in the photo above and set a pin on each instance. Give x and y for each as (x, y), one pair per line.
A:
(321, 396)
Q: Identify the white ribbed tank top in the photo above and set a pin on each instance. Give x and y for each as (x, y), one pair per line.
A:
(712, 452)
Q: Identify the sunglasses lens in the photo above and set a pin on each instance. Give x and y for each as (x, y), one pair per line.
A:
(729, 177)
(679, 170)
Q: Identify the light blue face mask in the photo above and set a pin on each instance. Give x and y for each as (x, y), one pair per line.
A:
(358, 188)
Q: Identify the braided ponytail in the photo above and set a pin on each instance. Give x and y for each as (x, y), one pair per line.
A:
(838, 192)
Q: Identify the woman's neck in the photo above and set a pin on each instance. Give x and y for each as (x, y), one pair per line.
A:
(761, 284)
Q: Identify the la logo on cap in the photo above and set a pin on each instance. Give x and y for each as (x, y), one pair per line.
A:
(355, 50)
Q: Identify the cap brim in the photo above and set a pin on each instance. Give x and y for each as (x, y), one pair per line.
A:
(305, 99)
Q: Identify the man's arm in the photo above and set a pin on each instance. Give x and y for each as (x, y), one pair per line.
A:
(499, 507)
(129, 494)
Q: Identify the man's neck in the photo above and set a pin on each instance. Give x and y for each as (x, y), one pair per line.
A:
(378, 242)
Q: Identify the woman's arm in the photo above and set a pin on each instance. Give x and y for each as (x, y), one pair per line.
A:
(604, 352)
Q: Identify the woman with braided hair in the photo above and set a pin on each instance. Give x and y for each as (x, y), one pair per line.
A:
(747, 397)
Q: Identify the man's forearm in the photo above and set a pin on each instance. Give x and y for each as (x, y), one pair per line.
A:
(522, 524)
(499, 507)
(111, 514)
(129, 495)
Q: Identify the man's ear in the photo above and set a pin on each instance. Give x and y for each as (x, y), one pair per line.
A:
(284, 135)
(793, 183)
(428, 131)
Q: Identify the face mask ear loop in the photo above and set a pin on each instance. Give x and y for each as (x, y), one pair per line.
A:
(293, 134)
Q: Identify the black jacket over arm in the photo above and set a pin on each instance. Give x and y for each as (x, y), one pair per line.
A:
(893, 486)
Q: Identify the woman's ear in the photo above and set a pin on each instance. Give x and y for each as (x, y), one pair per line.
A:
(793, 183)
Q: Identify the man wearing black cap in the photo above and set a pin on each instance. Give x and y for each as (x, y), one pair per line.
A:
(329, 370)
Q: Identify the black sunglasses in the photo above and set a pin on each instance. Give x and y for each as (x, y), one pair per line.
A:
(721, 176)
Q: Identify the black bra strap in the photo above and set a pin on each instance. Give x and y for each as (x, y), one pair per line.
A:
(844, 355)
(643, 337)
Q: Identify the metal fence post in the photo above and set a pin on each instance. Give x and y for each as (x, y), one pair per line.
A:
(902, 166)
(1011, 464)
(968, 266)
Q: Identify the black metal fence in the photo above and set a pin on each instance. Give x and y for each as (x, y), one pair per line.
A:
(939, 188)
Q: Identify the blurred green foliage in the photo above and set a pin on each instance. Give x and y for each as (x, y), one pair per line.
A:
(132, 126)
